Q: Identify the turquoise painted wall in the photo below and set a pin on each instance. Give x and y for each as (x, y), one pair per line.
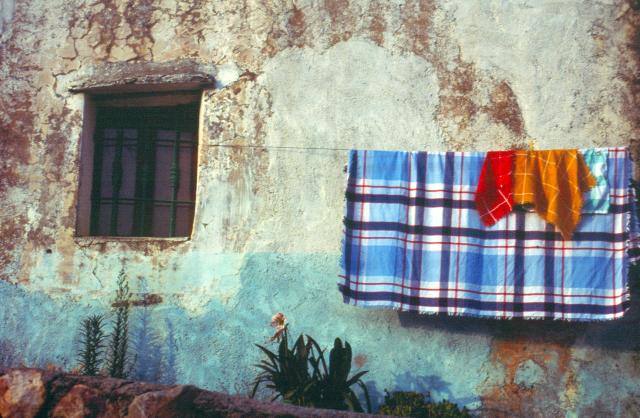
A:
(215, 350)
(454, 358)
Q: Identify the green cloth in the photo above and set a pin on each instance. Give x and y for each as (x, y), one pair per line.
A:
(596, 200)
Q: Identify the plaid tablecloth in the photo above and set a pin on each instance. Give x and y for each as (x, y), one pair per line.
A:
(414, 242)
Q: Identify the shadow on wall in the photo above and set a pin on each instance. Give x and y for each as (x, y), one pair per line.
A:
(621, 334)
(154, 356)
(147, 346)
(413, 383)
(8, 355)
(410, 382)
(169, 375)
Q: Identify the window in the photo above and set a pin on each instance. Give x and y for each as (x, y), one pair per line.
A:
(143, 167)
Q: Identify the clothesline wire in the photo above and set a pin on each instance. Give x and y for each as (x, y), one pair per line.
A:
(282, 147)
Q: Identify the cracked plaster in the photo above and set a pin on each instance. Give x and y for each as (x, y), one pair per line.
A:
(408, 74)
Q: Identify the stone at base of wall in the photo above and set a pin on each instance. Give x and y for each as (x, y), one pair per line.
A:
(26, 393)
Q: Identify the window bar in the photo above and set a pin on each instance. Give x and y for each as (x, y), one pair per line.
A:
(137, 203)
(147, 200)
(116, 182)
(151, 136)
(98, 147)
(174, 177)
(142, 180)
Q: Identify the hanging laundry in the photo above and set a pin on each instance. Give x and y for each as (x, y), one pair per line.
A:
(553, 183)
(494, 196)
(596, 200)
(414, 242)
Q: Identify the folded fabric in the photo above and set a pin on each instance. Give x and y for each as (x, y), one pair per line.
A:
(553, 183)
(596, 200)
(494, 196)
(414, 242)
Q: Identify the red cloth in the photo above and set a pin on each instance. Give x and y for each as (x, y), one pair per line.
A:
(494, 195)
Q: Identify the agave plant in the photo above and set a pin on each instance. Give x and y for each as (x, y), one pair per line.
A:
(300, 376)
(336, 387)
(287, 372)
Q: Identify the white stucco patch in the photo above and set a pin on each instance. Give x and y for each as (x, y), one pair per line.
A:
(352, 95)
(226, 74)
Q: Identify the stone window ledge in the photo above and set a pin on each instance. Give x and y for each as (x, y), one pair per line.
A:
(97, 240)
(124, 77)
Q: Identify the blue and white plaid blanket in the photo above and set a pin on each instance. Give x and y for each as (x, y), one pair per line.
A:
(414, 242)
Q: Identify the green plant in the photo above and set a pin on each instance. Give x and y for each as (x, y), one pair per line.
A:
(117, 363)
(336, 384)
(92, 341)
(299, 375)
(414, 404)
(287, 372)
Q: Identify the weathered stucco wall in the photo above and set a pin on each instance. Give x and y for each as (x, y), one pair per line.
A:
(405, 74)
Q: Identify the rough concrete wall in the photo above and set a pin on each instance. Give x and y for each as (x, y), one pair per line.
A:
(407, 74)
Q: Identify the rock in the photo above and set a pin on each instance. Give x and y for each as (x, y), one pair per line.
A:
(26, 393)
(81, 401)
(176, 401)
(22, 393)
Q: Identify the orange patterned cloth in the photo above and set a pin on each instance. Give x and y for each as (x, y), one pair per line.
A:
(553, 182)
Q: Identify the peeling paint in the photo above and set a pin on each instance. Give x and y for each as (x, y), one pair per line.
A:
(531, 370)
(378, 23)
(504, 108)
(412, 74)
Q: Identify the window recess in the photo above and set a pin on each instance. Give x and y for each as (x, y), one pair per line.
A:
(143, 165)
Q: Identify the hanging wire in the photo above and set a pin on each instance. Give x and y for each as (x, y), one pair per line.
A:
(281, 147)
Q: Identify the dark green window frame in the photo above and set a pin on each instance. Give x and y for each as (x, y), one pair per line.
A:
(146, 122)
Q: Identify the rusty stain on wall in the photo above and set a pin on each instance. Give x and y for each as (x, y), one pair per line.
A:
(416, 18)
(377, 24)
(504, 109)
(342, 16)
(538, 397)
(95, 28)
(140, 17)
(296, 23)
(145, 300)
